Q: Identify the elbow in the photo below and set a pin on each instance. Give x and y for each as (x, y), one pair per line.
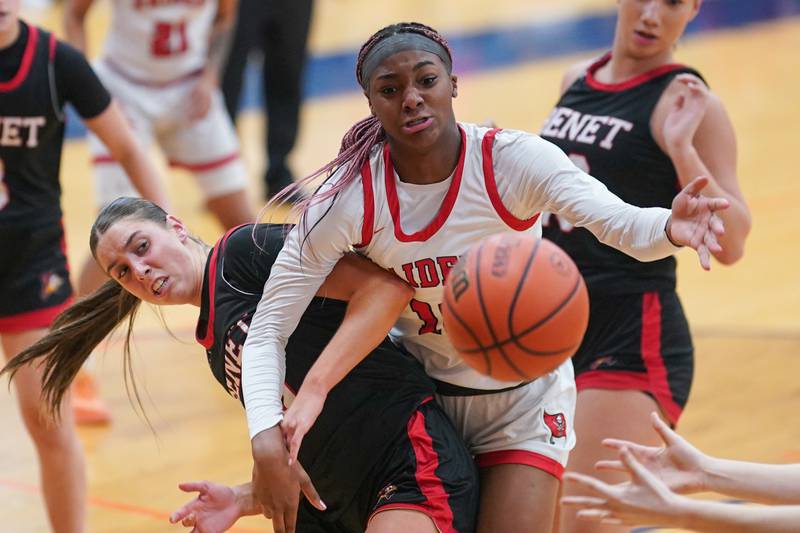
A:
(403, 290)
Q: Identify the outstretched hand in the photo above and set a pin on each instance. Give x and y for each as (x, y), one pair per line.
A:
(276, 484)
(677, 464)
(642, 500)
(694, 222)
(299, 418)
(214, 510)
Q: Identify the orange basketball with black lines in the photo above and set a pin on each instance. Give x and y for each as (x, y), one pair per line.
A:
(515, 306)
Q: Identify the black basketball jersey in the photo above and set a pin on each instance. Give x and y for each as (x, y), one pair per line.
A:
(32, 122)
(363, 415)
(605, 129)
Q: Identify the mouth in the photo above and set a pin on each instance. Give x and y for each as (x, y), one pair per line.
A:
(645, 36)
(417, 124)
(158, 286)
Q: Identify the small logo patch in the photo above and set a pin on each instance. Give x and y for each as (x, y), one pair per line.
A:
(386, 493)
(51, 282)
(557, 424)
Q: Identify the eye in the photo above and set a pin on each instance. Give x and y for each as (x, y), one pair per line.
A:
(429, 80)
(387, 91)
(142, 248)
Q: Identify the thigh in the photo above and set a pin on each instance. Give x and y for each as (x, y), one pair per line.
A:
(517, 497)
(34, 280)
(530, 425)
(429, 472)
(209, 149)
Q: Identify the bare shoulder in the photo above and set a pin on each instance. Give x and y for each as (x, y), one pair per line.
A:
(574, 72)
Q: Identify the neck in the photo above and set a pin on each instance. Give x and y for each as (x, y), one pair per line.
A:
(623, 67)
(200, 252)
(10, 35)
(432, 165)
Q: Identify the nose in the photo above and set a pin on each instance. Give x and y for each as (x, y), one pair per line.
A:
(650, 12)
(412, 98)
(141, 270)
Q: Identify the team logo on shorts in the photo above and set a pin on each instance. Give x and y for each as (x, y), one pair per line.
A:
(557, 424)
(386, 493)
(51, 282)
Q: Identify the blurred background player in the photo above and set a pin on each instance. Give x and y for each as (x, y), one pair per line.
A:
(280, 30)
(162, 62)
(38, 76)
(645, 127)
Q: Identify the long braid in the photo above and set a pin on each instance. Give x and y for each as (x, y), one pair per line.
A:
(358, 142)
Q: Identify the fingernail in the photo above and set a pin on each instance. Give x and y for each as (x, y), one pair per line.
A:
(322, 504)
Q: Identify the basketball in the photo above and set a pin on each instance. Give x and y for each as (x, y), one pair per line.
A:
(515, 306)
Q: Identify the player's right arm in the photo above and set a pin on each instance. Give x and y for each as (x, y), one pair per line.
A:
(312, 248)
(74, 22)
(375, 299)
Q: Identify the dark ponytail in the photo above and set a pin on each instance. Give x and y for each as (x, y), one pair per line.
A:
(73, 336)
(78, 330)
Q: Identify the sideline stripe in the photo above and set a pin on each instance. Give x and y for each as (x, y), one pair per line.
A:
(103, 503)
(331, 74)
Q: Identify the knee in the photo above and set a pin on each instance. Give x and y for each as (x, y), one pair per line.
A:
(46, 433)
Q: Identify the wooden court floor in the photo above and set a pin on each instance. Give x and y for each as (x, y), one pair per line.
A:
(746, 318)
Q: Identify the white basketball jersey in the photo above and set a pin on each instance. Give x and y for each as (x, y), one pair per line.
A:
(419, 232)
(158, 41)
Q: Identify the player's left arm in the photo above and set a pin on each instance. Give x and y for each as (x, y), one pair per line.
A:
(219, 43)
(694, 129)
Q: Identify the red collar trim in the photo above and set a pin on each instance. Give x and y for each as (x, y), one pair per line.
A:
(444, 210)
(25, 64)
(628, 84)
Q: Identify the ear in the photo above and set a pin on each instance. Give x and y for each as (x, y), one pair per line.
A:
(175, 224)
(697, 5)
(454, 81)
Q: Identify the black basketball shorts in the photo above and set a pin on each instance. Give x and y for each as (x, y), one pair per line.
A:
(430, 471)
(638, 342)
(34, 277)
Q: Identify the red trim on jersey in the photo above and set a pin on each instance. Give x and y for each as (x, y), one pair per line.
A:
(52, 48)
(623, 380)
(30, 320)
(651, 354)
(25, 64)
(207, 165)
(368, 227)
(444, 210)
(625, 85)
(521, 457)
(150, 83)
(429, 483)
(104, 160)
(207, 340)
(517, 224)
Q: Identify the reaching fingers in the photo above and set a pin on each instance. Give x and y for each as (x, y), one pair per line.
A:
(637, 470)
(587, 482)
(278, 525)
(295, 442)
(615, 466)
(179, 515)
(696, 185)
(717, 225)
(189, 521)
(663, 430)
(290, 517)
(309, 490)
(582, 501)
(617, 444)
(193, 486)
(705, 257)
(594, 515)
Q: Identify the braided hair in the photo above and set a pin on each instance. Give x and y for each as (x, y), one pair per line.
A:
(358, 142)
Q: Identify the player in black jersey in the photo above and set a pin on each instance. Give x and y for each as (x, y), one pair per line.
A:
(382, 453)
(645, 126)
(38, 77)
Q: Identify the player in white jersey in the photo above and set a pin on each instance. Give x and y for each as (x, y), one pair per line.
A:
(412, 189)
(162, 60)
